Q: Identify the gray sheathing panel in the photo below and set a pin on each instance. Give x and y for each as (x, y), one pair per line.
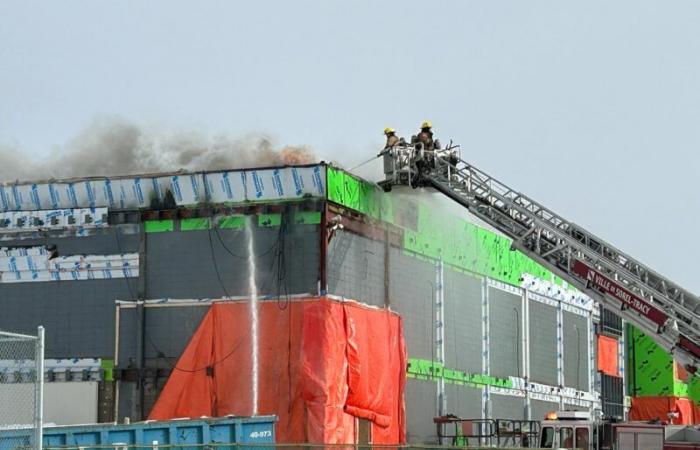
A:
(543, 343)
(168, 331)
(463, 324)
(507, 407)
(575, 351)
(412, 283)
(78, 315)
(463, 401)
(356, 268)
(505, 340)
(538, 409)
(420, 409)
(184, 264)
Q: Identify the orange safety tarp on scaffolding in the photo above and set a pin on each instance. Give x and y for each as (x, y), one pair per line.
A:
(650, 408)
(321, 364)
(608, 356)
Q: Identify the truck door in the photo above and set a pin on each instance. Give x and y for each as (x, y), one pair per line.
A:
(547, 437)
(583, 438)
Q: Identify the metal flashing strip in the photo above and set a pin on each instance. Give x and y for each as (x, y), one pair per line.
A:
(508, 392)
(142, 191)
(545, 397)
(556, 303)
(421, 369)
(504, 287)
(166, 302)
(543, 389)
(573, 299)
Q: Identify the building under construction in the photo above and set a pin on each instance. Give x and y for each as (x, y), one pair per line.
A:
(142, 284)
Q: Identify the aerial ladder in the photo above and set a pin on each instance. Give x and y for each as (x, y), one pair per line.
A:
(659, 307)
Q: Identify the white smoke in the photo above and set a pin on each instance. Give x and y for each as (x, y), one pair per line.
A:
(119, 147)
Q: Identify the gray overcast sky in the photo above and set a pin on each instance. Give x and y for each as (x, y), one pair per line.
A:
(591, 107)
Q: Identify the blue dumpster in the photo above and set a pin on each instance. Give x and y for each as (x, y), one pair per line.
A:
(185, 432)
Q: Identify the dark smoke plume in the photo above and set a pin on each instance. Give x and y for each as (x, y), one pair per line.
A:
(119, 147)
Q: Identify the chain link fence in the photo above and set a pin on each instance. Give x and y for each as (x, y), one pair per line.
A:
(21, 388)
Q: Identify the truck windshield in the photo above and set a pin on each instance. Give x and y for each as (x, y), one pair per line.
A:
(547, 440)
(566, 437)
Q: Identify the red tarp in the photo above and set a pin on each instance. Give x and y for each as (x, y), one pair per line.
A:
(607, 355)
(322, 363)
(649, 408)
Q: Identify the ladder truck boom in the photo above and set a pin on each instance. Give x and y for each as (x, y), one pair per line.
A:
(658, 306)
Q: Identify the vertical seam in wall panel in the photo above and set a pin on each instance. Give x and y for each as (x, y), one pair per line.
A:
(560, 350)
(525, 337)
(485, 345)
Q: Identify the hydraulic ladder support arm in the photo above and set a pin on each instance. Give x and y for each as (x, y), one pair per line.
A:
(661, 308)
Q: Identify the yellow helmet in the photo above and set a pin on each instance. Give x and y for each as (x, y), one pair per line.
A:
(426, 124)
(388, 130)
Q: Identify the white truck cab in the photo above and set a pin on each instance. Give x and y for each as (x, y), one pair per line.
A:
(568, 430)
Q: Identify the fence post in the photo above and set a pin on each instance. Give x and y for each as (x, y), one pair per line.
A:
(39, 391)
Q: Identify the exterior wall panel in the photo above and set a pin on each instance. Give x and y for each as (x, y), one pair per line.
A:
(420, 409)
(463, 328)
(543, 343)
(78, 316)
(356, 268)
(412, 290)
(539, 408)
(507, 407)
(464, 401)
(505, 350)
(184, 264)
(575, 351)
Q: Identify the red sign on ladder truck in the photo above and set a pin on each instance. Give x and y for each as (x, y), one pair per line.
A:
(604, 284)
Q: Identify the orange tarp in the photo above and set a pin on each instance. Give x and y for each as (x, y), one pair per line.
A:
(649, 408)
(608, 356)
(679, 372)
(322, 364)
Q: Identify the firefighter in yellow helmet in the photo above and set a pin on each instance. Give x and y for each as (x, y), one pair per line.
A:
(391, 138)
(425, 136)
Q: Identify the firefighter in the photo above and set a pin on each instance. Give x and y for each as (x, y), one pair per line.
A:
(426, 135)
(391, 138)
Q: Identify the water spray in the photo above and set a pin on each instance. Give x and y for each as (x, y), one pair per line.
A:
(253, 310)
